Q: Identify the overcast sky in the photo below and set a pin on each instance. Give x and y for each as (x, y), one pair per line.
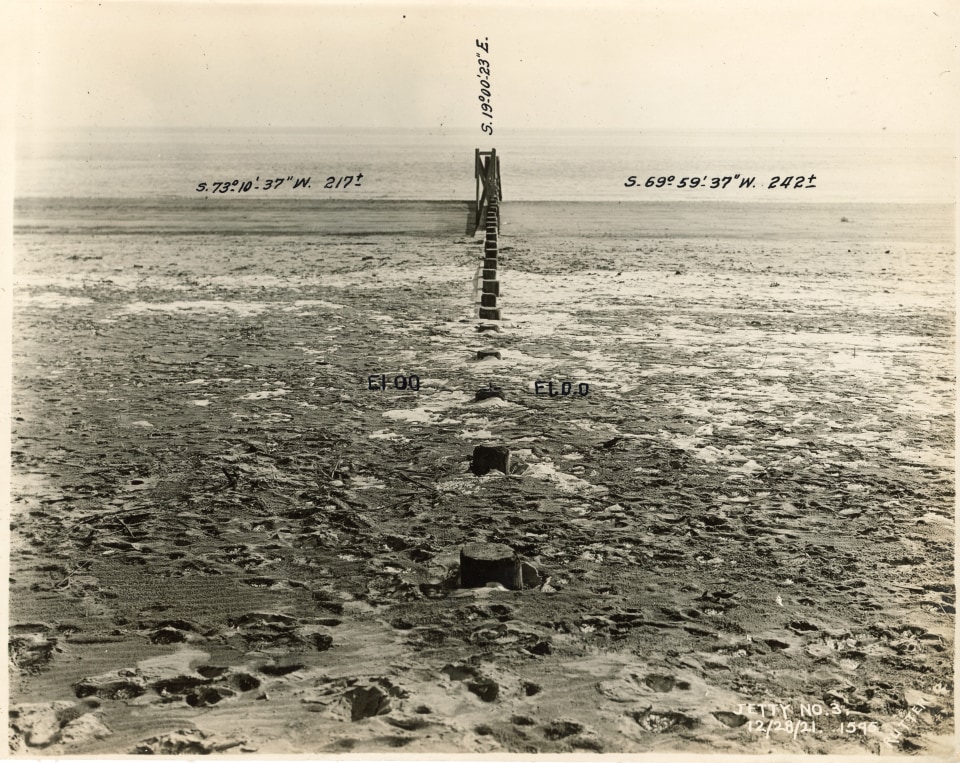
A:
(680, 64)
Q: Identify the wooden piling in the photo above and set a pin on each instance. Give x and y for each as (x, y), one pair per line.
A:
(482, 563)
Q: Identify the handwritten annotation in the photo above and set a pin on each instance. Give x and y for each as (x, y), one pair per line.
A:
(671, 181)
(411, 382)
(486, 105)
(275, 183)
(541, 387)
(400, 382)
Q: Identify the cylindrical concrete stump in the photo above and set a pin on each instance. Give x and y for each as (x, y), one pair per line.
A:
(488, 300)
(482, 563)
(490, 250)
(489, 274)
(488, 327)
(487, 457)
(490, 263)
(491, 287)
(490, 313)
(481, 354)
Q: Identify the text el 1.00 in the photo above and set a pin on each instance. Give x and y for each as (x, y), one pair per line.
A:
(735, 181)
(381, 382)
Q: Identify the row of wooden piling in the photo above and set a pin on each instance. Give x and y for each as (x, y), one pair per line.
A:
(490, 286)
(491, 563)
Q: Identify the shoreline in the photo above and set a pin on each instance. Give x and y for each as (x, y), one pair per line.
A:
(768, 220)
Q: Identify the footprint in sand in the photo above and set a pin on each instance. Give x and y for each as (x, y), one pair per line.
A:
(731, 720)
(561, 729)
(474, 679)
(260, 630)
(662, 722)
(32, 646)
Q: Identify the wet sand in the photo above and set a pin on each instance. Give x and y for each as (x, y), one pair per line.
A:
(223, 540)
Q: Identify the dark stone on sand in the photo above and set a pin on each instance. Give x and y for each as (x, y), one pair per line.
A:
(483, 354)
(531, 689)
(321, 641)
(541, 648)
(487, 457)
(488, 327)
(486, 394)
(482, 563)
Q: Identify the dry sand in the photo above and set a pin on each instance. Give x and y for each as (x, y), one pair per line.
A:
(224, 541)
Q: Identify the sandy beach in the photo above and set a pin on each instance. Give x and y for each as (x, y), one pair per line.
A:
(741, 540)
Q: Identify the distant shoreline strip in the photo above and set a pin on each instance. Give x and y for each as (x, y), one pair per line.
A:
(779, 221)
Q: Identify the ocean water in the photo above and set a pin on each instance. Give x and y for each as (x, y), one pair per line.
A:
(536, 165)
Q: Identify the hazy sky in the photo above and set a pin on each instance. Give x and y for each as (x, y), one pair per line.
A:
(732, 63)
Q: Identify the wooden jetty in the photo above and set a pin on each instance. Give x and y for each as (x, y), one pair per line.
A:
(489, 192)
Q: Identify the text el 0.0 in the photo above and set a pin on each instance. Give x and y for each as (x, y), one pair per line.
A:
(672, 181)
(381, 382)
(567, 389)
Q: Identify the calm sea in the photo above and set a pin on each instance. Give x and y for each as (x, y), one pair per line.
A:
(149, 164)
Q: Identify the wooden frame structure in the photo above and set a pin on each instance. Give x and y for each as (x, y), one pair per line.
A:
(486, 171)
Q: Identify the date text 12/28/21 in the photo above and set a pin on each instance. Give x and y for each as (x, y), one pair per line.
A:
(486, 106)
(672, 181)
